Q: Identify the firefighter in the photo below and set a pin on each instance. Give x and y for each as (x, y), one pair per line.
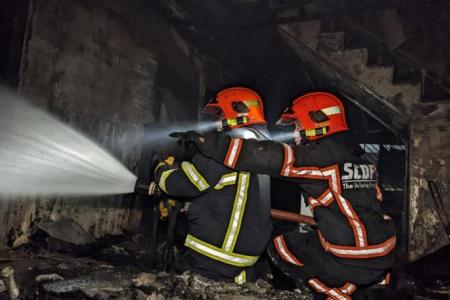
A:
(229, 217)
(354, 241)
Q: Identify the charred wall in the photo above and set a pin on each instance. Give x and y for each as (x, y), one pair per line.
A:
(106, 68)
(429, 165)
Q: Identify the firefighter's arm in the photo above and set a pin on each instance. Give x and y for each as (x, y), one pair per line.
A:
(262, 157)
(180, 180)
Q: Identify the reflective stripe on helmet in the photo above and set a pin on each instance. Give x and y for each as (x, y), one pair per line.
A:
(332, 110)
(219, 254)
(233, 152)
(240, 201)
(163, 178)
(251, 103)
(284, 252)
(236, 102)
(320, 113)
(194, 176)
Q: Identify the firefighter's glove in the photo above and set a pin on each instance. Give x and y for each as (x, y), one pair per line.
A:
(154, 189)
(189, 137)
(164, 208)
(170, 160)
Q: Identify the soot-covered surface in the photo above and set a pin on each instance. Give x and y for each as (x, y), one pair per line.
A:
(118, 268)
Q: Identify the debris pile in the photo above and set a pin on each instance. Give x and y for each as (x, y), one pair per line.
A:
(113, 284)
(64, 261)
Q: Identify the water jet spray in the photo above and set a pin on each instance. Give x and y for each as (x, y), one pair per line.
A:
(39, 155)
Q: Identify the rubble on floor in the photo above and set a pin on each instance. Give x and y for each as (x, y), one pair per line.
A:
(67, 230)
(118, 270)
(123, 284)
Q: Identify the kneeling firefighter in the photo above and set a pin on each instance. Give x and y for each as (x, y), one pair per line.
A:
(229, 217)
(354, 241)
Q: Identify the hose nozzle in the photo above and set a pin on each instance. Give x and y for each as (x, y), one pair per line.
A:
(143, 187)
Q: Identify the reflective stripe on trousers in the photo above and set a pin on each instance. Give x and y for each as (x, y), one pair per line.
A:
(241, 278)
(225, 254)
(219, 254)
(342, 293)
(369, 251)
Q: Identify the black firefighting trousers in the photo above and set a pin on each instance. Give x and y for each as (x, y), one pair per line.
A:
(193, 262)
(320, 264)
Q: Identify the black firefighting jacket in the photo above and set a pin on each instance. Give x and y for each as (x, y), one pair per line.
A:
(340, 186)
(229, 221)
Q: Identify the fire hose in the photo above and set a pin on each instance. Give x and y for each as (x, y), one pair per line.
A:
(292, 217)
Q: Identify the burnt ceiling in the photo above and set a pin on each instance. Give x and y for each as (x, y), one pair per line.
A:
(243, 36)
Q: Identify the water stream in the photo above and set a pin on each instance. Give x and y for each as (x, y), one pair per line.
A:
(39, 155)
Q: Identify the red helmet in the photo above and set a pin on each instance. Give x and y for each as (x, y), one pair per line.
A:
(316, 115)
(237, 102)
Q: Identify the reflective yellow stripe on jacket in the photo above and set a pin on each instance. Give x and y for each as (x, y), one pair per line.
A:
(226, 253)
(194, 176)
(163, 179)
(240, 201)
(227, 179)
